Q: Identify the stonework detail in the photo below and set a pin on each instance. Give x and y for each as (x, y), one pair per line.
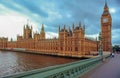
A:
(106, 24)
(70, 41)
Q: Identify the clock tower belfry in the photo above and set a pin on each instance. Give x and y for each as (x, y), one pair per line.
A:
(106, 24)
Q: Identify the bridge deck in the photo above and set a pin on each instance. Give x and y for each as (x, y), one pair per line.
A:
(109, 69)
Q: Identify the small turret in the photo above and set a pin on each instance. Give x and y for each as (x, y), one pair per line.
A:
(59, 28)
(42, 33)
(80, 24)
(64, 27)
(84, 27)
(72, 27)
(42, 29)
(70, 32)
(69, 29)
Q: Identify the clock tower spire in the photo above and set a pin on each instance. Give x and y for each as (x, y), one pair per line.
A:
(106, 24)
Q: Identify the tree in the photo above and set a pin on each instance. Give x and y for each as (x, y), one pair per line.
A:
(116, 48)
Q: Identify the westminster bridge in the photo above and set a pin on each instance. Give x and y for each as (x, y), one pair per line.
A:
(96, 67)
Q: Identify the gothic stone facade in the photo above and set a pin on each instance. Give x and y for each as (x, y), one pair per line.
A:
(70, 42)
(106, 24)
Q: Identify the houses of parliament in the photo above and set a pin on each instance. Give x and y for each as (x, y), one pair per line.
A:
(70, 42)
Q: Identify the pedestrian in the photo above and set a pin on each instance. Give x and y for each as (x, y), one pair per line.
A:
(112, 55)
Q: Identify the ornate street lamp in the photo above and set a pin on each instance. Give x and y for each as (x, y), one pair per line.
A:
(100, 45)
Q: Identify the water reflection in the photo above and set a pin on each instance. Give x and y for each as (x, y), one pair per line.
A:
(14, 62)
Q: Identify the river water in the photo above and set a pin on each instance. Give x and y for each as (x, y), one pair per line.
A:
(15, 62)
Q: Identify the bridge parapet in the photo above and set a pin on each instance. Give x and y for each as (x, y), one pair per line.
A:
(69, 70)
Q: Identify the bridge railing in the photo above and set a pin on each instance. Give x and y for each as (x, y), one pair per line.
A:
(70, 70)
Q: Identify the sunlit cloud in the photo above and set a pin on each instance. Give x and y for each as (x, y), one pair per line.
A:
(50, 35)
(112, 10)
(94, 36)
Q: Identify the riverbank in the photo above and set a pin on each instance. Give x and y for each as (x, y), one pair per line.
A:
(47, 54)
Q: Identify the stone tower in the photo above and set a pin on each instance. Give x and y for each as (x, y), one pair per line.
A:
(106, 24)
(27, 32)
(42, 33)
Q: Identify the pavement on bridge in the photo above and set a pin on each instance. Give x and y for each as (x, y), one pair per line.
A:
(109, 69)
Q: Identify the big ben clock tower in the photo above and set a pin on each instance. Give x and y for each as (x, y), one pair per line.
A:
(106, 23)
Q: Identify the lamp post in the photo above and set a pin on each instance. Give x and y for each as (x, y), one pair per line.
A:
(100, 45)
(100, 48)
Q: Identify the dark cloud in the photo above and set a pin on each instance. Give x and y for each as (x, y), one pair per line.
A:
(32, 7)
(29, 5)
(59, 12)
(9, 5)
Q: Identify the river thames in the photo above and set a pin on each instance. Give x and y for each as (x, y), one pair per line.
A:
(15, 62)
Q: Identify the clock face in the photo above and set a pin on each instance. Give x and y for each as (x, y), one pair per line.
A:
(105, 20)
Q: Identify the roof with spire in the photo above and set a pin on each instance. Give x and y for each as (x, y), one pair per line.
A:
(105, 4)
(27, 25)
(70, 32)
(106, 9)
(42, 29)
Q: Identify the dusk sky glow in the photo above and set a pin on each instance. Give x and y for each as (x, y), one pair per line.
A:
(14, 15)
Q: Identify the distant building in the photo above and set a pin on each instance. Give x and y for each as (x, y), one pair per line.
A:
(70, 42)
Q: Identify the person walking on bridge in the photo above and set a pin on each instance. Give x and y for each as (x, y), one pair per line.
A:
(112, 55)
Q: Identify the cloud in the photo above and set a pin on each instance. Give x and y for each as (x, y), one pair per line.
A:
(28, 5)
(8, 28)
(50, 35)
(112, 10)
(12, 23)
(57, 13)
(93, 36)
(115, 36)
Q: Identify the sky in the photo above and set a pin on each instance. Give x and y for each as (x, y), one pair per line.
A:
(53, 13)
